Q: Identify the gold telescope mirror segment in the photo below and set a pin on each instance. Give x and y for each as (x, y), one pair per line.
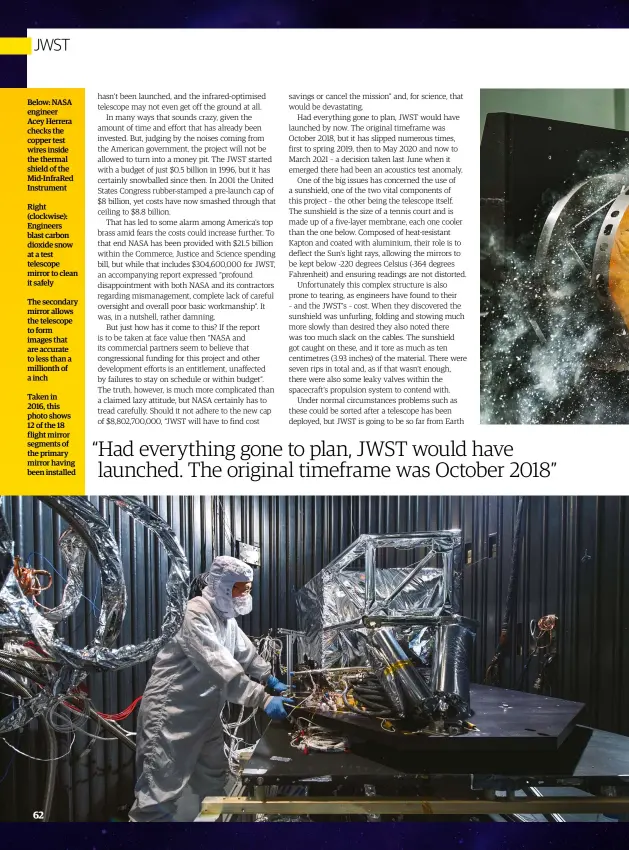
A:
(618, 276)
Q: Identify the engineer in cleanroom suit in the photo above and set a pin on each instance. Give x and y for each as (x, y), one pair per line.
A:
(209, 662)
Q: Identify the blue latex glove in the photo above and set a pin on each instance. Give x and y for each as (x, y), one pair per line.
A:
(274, 683)
(275, 708)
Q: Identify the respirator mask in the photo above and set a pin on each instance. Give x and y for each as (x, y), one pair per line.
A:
(242, 605)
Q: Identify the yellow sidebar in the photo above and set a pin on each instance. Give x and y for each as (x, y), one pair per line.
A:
(42, 269)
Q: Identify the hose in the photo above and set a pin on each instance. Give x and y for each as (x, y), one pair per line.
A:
(21, 670)
(373, 710)
(51, 768)
(353, 708)
(370, 693)
(110, 727)
(33, 659)
(51, 771)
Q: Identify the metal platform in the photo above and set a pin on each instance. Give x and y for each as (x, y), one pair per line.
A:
(565, 754)
(525, 743)
(588, 773)
(511, 720)
(586, 754)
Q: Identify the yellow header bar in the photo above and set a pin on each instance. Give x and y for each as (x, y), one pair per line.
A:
(16, 46)
(42, 346)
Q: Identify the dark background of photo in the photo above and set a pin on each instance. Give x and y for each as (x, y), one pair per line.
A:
(574, 554)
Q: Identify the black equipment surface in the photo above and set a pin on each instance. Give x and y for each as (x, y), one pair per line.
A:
(506, 719)
(586, 754)
(581, 754)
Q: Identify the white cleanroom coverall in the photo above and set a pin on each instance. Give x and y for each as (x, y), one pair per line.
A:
(209, 662)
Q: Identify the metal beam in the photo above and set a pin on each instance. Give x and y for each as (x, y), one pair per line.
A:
(394, 806)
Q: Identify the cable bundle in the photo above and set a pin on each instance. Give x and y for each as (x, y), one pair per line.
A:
(28, 579)
(366, 696)
(271, 649)
(317, 739)
(122, 715)
(231, 746)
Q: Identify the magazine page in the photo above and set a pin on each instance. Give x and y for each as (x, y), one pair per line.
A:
(345, 310)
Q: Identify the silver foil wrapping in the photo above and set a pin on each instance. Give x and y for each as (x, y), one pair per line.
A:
(415, 690)
(6, 553)
(454, 643)
(6, 540)
(331, 606)
(83, 517)
(421, 644)
(89, 530)
(379, 665)
(73, 551)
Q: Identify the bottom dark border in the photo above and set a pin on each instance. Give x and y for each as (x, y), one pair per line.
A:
(385, 836)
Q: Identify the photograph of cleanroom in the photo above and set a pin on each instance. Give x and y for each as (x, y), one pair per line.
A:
(554, 257)
(313, 658)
